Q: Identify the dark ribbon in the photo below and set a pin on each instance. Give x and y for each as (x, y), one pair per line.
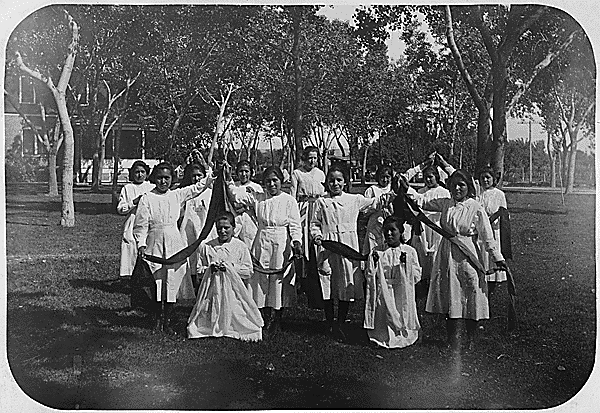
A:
(505, 240)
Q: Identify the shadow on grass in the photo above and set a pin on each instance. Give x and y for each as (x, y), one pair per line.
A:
(515, 210)
(118, 285)
(84, 207)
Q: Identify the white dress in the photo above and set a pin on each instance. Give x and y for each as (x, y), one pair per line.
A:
(224, 307)
(390, 309)
(427, 244)
(246, 224)
(492, 199)
(155, 227)
(374, 233)
(457, 288)
(306, 188)
(334, 219)
(126, 207)
(278, 226)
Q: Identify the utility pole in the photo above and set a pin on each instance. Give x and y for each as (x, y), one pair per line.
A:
(530, 156)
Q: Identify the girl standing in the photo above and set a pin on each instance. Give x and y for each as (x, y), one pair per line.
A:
(307, 187)
(334, 219)
(374, 235)
(156, 233)
(492, 200)
(392, 272)
(246, 224)
(224, 307)
(128, 202)
(427, 244)
(279, 232)
(457, 288)
(193, 217)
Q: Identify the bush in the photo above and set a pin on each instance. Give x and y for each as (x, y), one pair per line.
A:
(24, 169)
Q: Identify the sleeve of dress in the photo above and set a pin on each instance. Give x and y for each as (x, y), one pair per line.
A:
(125, 204)
(370, 193)
(240, 195)
(485, 234)
(366, 204)
(436, 205)
(294, 187)
(140, 225)
(415, 267)
(294, 221)
(192, 191)
(203, 263)
(244, 266)
(412, 172)
(502, 200)
(316, 220)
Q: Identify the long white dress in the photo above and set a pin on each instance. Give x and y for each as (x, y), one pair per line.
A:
(278, 226)
(492, 199)
(155, 227)
(427, 244)
(306, 188)
(246, 224)
(334, 219)
(126, 207)
(224, 307)
(457, 288)
(390, 308)
(192, 224)
(374, 233)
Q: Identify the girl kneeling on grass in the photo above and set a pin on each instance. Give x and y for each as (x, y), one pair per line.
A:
(224, 307)
(334, 219)
(155, 231)
(392, 272)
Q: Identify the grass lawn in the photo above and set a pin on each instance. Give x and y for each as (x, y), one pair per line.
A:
(72, 344)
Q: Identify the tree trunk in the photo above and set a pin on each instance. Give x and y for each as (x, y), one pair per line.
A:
(116, 162)
(552, 161)
(364, 164)
(298, 85)
(68, 206)
(52, 178)
(496, 156)
(571, 167)
(96, 164)
(483, 138)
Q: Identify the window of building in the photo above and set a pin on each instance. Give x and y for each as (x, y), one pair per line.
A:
(26, 90)
(30, 144)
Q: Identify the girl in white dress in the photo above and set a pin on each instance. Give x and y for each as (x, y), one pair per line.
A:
(193, 217)
(128, 202)
(334, 219)
(307, 187)
(246, 224)
(224, 307)
(492, 199)
(374, 234)
(427, 244)
(279, 233)
(457, 289)
(391, 310)
(155, 231)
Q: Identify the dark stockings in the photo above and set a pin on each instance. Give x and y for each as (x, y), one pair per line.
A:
(342, 313)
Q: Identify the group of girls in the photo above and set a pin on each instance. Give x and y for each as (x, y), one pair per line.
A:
(246, 265)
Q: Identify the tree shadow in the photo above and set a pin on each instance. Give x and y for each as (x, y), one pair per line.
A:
(118, 285)
(516, 210)
(84, 207)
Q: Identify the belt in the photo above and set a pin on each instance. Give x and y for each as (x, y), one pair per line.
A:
(155, 225)
(307, 198)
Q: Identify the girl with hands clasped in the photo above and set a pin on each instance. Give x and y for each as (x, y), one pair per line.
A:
(224, 307)
(246, 224)
(279, 235)
(457, 288)
(334, 218)
(392, 271)
(128, 202)
(155, 231)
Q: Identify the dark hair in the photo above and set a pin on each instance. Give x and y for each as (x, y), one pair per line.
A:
(434, 171)
(188, 171)
(491, 171)
(135, 165)
(465, 176)
(399, 222)
(241, 163)
(273, 169)
(337, 167)
(163, 165)
(225, 215)
(307, 150)
(381, 170)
